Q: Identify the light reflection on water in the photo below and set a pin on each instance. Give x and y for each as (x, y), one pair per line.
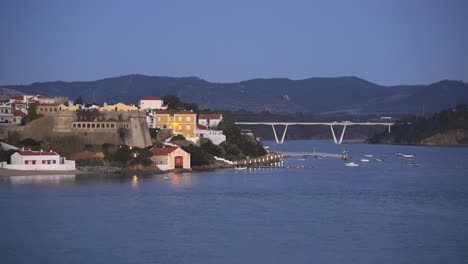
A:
(42, 179)
(380, 212)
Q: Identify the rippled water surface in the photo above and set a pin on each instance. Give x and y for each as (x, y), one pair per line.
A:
(379, 212)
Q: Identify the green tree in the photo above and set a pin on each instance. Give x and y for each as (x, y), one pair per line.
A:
(32, 113)
(172, 101)
(79, 100)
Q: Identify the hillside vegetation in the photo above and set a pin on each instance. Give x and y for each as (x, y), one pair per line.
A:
(447, 127)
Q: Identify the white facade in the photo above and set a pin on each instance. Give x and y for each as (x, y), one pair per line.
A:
(6, 112)
(210, 120)
(38, 160)
(152, 102)
(216, 136)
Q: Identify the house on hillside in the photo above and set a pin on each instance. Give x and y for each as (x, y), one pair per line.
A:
(183, 123)
(210, 120)
(38, 160)
(170, 158)
(216, 136)
(152, 102)
(118, 107)
(6, 112)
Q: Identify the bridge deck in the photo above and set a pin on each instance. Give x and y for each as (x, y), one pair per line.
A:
(318, 123)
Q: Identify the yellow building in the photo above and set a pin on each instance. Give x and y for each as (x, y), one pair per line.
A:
(182, 122)
(118, 107)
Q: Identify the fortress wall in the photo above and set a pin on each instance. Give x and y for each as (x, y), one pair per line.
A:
(131, 123)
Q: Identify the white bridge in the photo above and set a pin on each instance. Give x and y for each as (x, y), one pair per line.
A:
(331, 124)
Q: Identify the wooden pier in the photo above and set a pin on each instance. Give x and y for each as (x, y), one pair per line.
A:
(264, 160)
(343, 155)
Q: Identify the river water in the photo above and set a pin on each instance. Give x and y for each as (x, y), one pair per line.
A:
(379, 212)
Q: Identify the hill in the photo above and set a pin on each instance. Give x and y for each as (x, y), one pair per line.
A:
(445, 128)
(340, 95)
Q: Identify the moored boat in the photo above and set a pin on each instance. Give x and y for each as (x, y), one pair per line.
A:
(351, 164)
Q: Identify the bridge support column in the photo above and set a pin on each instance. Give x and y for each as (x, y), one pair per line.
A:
(276, 135)
(334, 136)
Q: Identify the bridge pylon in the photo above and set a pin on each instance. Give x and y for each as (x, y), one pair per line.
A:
(276, 135)
(334, 136)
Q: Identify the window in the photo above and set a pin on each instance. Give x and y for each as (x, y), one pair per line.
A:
(98, 125)
(187, 118)
(187, 127)
(93, 126)
(159, 119)
(180, 128)
(33, 162)
(180, 118)
(112, 125)
(54, 161)
(26, 162)
(74, 125)
(43, 162)
(107, 125)
(88, 126)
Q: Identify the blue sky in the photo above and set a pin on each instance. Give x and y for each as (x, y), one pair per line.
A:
(387, 42)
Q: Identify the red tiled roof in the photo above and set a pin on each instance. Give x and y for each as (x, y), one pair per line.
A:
(18, 97)
(201, 126)
(209, 116)
(19, 113)
(162, 151)
(185, 112)
(160, 112)
(152, 98)
(37, 153)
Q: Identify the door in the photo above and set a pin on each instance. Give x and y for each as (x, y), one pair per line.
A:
(179, 162)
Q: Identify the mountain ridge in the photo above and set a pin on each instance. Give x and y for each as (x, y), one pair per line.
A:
(319, 95)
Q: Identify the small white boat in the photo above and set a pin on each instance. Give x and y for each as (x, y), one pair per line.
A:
(364, 160)
(240, 168)
(409, 156)
(380, 160)
(351, 164)
(167, 178)
(369, 155)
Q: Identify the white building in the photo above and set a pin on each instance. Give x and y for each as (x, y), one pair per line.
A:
(6, 112)
(210, 120)
(38, 160)
(152, 102)
(216, 136)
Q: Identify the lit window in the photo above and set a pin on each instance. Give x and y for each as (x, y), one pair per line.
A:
(187, 127)
(187, 118)
(180, 118)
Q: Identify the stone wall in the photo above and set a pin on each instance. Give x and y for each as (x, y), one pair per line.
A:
(126, 127)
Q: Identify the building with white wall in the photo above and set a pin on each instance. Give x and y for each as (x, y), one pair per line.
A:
(210, 120)
(6, 112)
(216, 136)
(152, 102)
(38, 160)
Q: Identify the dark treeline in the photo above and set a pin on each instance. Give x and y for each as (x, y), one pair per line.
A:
(413, 129)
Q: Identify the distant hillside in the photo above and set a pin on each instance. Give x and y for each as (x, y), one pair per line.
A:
(339, 95)
(446, 128)
(6, 93)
